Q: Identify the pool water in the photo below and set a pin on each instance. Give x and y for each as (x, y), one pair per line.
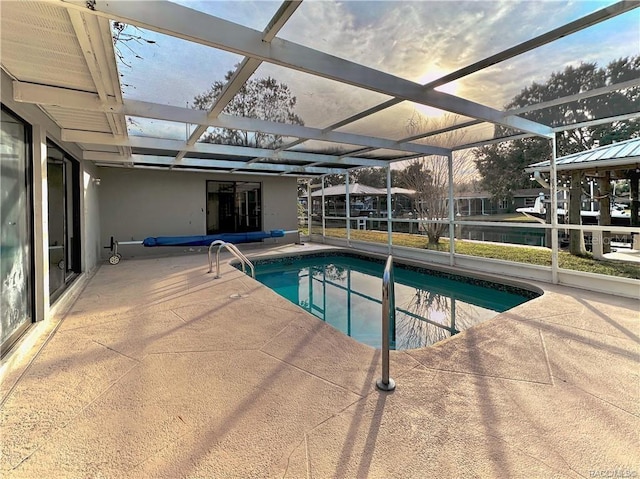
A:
(346, 292)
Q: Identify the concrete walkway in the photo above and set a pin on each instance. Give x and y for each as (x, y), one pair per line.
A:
(160, 371)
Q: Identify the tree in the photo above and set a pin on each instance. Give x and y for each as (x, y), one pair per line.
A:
(127, 40)
(329, 180)
(502, 166)
(376, 177)
(429, 176)
(585, 77)
(260, 98)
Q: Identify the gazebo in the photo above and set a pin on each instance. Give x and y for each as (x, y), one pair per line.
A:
(603, 164)
(608, 162)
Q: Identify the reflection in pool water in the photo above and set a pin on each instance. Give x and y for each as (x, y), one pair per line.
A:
(345, 292)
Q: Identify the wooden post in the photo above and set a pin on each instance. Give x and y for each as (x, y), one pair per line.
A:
(634, 180)
(604, 187)
(576, 237)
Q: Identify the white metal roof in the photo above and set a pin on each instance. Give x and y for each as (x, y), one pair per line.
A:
(617, 155)
(61, 56)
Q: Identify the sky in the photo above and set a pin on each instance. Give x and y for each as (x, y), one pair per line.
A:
(418, 41)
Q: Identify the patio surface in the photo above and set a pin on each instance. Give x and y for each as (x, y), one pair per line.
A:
(160, 371)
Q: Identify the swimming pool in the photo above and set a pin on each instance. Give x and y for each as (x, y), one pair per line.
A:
(345, 290)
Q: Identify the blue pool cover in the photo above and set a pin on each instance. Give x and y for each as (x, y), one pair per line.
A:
(206, 240)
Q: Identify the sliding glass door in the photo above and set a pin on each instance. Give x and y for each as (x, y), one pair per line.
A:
(233, 207)
(16, 252)
(64, 212)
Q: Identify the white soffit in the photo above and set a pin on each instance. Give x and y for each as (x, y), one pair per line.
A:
(41, 45)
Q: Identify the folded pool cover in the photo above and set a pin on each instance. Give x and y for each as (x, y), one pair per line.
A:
(206, 240)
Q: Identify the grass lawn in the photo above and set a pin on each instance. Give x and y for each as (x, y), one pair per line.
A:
(519, 254)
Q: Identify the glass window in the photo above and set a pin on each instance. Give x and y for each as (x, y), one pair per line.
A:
(16, 251)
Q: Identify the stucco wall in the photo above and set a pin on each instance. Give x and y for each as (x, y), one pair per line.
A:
(135, 204)
(90, 204)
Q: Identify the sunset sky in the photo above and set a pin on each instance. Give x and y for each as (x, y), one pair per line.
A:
(419, 41)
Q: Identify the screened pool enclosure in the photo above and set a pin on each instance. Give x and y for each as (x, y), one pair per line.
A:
(144, 118)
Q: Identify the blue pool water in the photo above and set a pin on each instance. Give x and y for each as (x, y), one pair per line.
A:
(346, 290)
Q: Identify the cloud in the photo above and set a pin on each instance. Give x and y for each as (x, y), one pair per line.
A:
(406, 39)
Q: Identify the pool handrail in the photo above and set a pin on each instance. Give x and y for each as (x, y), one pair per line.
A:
(385, 383)
(234, 251)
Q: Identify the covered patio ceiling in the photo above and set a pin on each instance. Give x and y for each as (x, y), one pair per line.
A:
(61, 57)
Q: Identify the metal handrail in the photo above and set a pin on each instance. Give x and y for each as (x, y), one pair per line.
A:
(385, 383)
(238, 254)
(234, 251)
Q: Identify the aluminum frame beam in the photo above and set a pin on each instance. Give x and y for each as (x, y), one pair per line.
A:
(598, 121)
(182, 22)
(573, 126)
(555, 34)
(89, 33)
(48, 95)
(539, 106)
(560, 32)
(244, 71)
(97, 138)
(200, 170)
(167, 161)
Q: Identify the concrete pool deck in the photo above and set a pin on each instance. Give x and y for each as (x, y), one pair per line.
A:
(157, 370)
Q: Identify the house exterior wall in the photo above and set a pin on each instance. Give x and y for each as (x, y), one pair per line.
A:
(42, 128)
(135, 204)
(90, 222)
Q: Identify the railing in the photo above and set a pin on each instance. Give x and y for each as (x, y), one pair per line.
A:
(385, 383)
(234, 251)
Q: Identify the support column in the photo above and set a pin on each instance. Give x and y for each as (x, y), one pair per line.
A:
(348, 208)
(604, 188)
(41, 223)
(452, 227)
(389, 211)
(576, 237)
(309, 208)
(634, 182)
(553, 183)
(324, 226)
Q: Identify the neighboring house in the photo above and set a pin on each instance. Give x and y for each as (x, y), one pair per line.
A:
(364, 200)
(482, 203)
